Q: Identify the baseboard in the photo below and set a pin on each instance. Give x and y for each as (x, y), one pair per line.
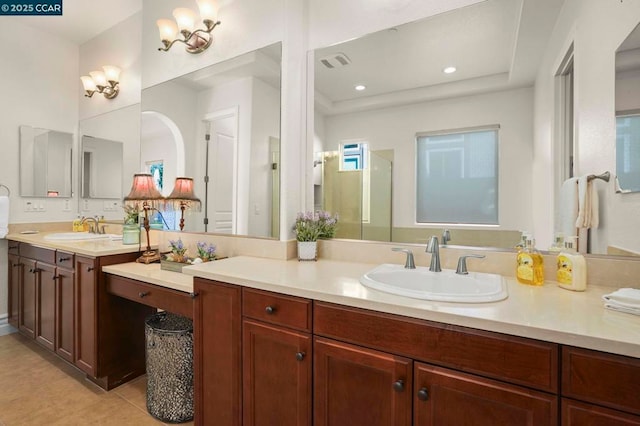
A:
(5, 328)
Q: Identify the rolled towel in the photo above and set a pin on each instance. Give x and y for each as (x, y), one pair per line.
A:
(624, 297)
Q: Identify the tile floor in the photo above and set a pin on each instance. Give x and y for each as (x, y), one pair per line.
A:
(37, 388)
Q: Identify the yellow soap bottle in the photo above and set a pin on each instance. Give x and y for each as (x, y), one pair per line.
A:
(572, 268)
(76, 224)
(530, 265)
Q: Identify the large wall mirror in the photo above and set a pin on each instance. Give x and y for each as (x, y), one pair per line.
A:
(628, 113)
(220, 125)
(109, 156)
(451, 96)
(46, 158)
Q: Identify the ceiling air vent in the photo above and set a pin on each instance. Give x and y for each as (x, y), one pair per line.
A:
(335, 60)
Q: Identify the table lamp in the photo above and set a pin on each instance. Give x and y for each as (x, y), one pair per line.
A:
(182, 197)
(143, 190)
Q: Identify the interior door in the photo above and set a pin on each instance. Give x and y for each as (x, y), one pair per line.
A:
(221, 208)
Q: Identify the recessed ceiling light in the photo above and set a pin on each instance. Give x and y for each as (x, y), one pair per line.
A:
(449, 70)
(360, 87)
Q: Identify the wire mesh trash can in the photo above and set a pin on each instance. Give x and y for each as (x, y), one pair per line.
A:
(169, 354)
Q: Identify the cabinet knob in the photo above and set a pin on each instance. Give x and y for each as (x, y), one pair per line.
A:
(300, 356)
(193, 295)
(423, 394)
(90, 268)
(63, 259)
(143, 293)
(398, 385)
(270, 310)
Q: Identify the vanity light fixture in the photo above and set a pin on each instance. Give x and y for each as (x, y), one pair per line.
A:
(143, 191)
(196, 40)
(105, 82)
(449, 70)
(182, 197)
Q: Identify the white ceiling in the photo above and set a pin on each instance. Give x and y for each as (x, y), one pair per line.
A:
(495, 44)
(82, 20)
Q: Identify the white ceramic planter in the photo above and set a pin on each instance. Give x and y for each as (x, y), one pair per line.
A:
(307, 250)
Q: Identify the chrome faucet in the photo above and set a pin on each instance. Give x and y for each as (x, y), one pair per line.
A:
(462, 263)
(93, 227)
(434, 249)
(446, 237)
(409, 262)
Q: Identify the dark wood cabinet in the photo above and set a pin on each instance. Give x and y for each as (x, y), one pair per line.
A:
(45, 277)
(86, 311)
(27, 310)
(447, 397)
(357, 386)
(575, 413)
(276, 375)
(14, 284)
(217, 327)
(65, 316)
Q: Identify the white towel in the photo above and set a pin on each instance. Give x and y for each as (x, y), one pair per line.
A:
(587, 204)
(569, 206)
(616, 307)
(627, 297)
(4, 215)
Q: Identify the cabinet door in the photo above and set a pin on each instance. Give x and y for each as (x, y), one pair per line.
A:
(276, 376)
(576, 413)
(360, 387)
(15, 285)
(85, 315)
(448, 397)
(27, 315)
(46, 305)
(65, 295)
(217, 358)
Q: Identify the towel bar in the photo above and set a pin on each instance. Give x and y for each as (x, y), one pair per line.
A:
(7, 188)
(604, 176)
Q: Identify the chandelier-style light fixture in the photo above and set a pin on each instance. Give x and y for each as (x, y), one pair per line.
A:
(105, 82)
(182, 197)
(196, 40)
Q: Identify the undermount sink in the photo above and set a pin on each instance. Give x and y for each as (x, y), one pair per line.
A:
(445, 286)
(76, 236)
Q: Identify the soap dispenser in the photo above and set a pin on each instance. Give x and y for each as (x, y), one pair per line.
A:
(572, 267)
(530, 268)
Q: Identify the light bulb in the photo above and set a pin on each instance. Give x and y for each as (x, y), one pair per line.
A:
(185, 18)
(168, 29)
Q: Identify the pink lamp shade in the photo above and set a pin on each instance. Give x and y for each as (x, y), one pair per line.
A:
(183, 195)
(143, 190)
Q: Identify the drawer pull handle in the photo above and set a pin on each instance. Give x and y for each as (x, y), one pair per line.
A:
(300, 356)
(15, 265)
(13, 247)
(193, 295)
(90, 268)
(270, 310)
(55, 277)
(143, 293)
(64, 259)
(34, 270)
(423, 394)
(398, 385)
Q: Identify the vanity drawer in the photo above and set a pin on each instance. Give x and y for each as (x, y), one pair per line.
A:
(152, 295)
(600, 378)
(65, 259)
(513, 359)
(38, 253)
(289, 311)
(13, 247)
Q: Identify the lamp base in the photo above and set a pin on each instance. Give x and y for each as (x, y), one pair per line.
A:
(149, 256)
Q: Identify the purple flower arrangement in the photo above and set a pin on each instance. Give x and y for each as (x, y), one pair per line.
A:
(310, 226)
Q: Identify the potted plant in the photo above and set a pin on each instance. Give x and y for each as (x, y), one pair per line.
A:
(311, 226)
(206, 252)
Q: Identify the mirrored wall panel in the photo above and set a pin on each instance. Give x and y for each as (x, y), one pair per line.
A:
(101, 171)
(46, 158)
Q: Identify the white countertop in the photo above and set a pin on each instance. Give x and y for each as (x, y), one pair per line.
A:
(92, 248)
(152, 274)
(546, 313)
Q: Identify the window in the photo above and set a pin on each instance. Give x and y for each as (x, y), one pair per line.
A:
(354, 156)
(628, 151)
(457, 176)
